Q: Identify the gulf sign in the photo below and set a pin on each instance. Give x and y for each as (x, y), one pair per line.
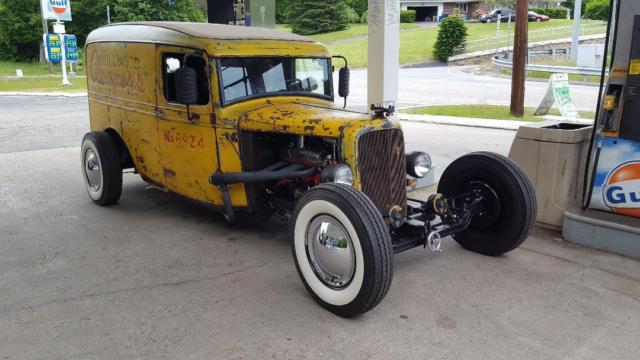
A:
(56, 9)
(621, 190)
(616, 182)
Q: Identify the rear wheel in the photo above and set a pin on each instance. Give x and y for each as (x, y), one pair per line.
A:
(342, 249)
(101, 168)
(509, 209)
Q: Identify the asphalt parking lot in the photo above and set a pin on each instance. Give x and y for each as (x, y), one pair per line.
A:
(159, 277)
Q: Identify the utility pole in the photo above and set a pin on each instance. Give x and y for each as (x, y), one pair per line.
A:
(45, 30)
(575, 41)
(520, 46)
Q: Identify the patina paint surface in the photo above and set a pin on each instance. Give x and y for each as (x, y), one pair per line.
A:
(178, 148)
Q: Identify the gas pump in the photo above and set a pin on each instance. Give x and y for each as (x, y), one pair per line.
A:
(610, 218)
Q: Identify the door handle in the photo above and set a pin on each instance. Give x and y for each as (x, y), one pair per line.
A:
(159, 114)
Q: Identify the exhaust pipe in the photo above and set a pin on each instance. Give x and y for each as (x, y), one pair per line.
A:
(280, 170)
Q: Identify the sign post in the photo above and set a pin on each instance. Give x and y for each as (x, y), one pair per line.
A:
(59, 10)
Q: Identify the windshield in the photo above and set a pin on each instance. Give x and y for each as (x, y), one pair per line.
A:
(242, 77)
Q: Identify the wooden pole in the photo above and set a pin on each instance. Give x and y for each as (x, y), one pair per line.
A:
(520, 47)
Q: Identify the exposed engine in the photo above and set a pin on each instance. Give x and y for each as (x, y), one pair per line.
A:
(281, 174)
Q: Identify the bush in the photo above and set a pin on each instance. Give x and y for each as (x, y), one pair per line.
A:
(452, 34)
(407, 16)
(365, 15)
(353, 16)
(282, 11)
(360, 6)
(551, 13)
(308, 17)
(597, 10)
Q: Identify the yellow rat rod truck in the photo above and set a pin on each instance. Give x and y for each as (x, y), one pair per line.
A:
(243, 120)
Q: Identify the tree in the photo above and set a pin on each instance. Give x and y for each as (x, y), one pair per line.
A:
(20, 29)
(360, 6)
(282, 11)
(452, 34)
(21, 24)
(160, 10)
(309, 17)
(597, 10)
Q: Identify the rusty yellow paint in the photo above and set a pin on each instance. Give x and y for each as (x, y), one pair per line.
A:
(178, 149)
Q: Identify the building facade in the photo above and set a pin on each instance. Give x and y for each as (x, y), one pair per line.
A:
(432, 10)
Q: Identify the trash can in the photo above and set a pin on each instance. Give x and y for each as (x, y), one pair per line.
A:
(553, 155)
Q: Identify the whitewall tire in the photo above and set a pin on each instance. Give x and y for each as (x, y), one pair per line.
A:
(342, 249)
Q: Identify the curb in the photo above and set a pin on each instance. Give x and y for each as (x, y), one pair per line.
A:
(511, 125)
(30, 93)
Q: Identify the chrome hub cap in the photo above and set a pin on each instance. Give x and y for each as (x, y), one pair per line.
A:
(330, 251)
(92, 170)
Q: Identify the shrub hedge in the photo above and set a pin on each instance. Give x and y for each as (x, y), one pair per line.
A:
(551, 13)
(452, 34)
(407, 16)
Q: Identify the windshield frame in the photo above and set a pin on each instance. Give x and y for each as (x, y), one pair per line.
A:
(224, 103)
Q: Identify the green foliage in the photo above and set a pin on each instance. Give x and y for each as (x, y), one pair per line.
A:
(308, 17)
(407, 16)
(364, 17)
(571, 4)
(282, 11)
(597, 10)
(501, 3)
(21, 25)
(20, 29)
(144, 10)
(552, 13)
(360, 6)
(452, 34)
(353, 16)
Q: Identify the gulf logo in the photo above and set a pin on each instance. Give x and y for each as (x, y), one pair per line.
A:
(59, 6)
(622, 189)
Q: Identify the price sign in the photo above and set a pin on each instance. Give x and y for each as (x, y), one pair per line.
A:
(53, 47)
(71, 48)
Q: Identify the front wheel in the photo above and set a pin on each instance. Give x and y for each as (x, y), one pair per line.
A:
(342, 249)
(508, 210)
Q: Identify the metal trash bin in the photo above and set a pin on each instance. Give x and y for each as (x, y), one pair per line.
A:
(552, 155)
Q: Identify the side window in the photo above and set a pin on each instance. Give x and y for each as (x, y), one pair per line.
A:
(174, 61)
(312, 75)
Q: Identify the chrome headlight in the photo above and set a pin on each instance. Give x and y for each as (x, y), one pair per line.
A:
(340, 173)
(418, 164)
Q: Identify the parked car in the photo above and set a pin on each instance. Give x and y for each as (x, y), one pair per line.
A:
(243, 119)
(502, 14)
(534, 16)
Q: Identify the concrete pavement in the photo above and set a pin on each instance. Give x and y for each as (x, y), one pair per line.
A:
(157, 277)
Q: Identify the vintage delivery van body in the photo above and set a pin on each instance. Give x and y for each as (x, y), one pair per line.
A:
(243, 119)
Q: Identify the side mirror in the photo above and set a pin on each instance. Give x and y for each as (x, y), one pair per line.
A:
(344, 75)
(186, 85)
(343, 82)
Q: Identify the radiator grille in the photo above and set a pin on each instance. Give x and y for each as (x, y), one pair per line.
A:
(381, 163)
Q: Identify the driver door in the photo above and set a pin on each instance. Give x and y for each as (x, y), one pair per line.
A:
(187, 137)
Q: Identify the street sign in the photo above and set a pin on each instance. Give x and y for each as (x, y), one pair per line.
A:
(56, 9)
(53, 48)
(71, 48)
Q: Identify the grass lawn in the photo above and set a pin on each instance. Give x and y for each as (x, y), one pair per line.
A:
(490, 112)
(546, 75)
(354, 31)
(417, 46)
(43, 84)
(8, 68)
